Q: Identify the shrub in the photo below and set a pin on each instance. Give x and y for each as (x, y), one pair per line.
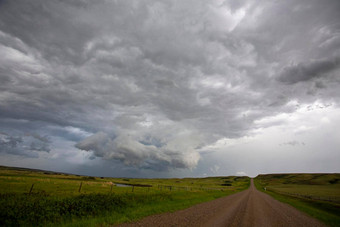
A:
(88, 178)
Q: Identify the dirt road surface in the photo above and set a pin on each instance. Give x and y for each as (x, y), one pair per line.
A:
(247, 208)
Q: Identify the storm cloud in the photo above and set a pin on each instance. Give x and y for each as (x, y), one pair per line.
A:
(159, 85)
(26, 145)
(139, 153)
(308, 71)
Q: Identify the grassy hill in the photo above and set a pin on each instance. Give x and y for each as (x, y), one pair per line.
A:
(316, 194)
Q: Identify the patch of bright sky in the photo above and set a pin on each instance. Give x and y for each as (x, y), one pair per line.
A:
(312, 127)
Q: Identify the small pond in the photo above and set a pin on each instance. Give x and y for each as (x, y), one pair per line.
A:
(122, 185)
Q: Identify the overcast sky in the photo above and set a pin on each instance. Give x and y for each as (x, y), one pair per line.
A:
(170, 88)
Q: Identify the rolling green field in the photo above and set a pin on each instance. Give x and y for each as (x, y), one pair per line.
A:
(315, 194)
(42, 198)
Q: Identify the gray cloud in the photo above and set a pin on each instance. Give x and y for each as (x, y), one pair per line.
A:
(293, 143)
(26, 145)
(152, 83)
(307, 71)
(140, 154)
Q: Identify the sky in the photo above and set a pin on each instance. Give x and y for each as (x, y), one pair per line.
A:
(176, 88)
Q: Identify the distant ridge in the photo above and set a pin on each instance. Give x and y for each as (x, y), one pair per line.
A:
(36, 170)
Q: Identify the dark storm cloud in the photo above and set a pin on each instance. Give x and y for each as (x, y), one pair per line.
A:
(308, 71)
(137, 153)
(24, 145)
(151, 83)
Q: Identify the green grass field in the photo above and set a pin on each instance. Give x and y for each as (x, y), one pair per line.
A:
(42, 198)
(315, 194)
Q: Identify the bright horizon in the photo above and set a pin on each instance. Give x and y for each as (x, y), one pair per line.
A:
(183, 177)
(159, 89)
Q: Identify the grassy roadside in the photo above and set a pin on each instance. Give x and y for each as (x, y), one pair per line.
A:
(326, 212)
(40, 198)
(133, 212)
(93, 209)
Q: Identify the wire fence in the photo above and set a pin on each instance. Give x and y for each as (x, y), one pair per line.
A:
(187, 188)
(115, 187)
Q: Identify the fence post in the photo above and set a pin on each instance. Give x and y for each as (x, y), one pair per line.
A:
(111, 187)
(81, 184)
(133, 188)
(31, 189)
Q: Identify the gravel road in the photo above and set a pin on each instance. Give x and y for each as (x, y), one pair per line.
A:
(247, 208)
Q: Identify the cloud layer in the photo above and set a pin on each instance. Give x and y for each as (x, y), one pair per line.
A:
(26, 145)
(142, 154)
(156, 84)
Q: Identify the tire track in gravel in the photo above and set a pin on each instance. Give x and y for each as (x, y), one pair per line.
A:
(247, 208)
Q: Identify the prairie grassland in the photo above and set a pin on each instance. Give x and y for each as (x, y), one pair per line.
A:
(68, 185)
(316, 194)
(43, 198)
